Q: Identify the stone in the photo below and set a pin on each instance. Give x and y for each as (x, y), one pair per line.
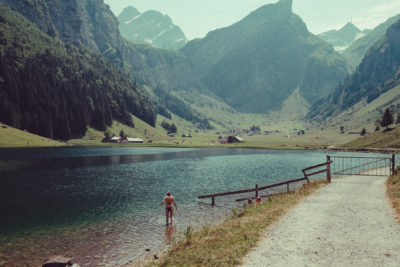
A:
(58, 261)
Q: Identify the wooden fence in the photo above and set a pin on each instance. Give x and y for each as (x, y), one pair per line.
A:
(287, 183)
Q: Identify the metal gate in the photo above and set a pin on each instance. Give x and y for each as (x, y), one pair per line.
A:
(368, 166)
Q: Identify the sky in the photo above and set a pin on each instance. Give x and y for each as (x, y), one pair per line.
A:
(197, 17)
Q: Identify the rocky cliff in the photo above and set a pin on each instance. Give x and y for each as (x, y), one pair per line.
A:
(81, 22)
(91, 24)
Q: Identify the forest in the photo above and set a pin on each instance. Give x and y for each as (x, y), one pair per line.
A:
(58, 90)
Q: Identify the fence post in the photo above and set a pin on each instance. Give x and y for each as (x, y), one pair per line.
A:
(256, 190)
(212, 201)
(393, 164)
(328, 173)
(287, 187)
(305, 176)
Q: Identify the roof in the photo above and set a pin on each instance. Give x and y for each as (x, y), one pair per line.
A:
(115, 138)
(239, 139)
(135, 140)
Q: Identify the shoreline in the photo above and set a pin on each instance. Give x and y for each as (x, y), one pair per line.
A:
(155, 145)
(217, 243)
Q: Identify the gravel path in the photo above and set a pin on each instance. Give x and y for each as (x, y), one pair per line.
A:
(347, 223)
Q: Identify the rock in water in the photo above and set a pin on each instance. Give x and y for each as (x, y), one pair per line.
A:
(58, 261)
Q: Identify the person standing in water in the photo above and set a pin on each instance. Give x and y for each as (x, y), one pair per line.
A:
(169, 211)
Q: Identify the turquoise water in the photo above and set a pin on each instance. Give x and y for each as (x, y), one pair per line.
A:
(101, 205)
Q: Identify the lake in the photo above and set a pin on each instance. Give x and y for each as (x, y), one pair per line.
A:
(101, 205)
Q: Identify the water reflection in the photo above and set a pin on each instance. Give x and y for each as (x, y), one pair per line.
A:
(169, 232)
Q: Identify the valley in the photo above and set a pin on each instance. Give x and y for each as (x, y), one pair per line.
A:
(294, 106)
(102, 112)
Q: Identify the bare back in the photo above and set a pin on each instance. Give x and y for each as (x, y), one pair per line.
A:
(168, 201)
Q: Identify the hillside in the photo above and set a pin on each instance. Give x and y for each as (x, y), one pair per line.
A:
(11, 137)
(255, 58)
(142, 130)
(378, 140)
(87, 23)
(150, 27)
(377, 74)
(42, 88)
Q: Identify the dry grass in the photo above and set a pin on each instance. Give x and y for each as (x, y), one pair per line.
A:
(393, 191)
(227, 243)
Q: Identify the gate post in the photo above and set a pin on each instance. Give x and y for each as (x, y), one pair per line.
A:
(393, 164)
(328, 173)
(256, 190)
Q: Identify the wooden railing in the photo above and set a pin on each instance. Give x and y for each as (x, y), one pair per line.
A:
(256, 189)
(327, 170)
(287, 183)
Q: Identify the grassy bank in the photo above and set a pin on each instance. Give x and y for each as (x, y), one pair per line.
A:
(380, 139)
(11, 137)
(393, 191)
(227, 243)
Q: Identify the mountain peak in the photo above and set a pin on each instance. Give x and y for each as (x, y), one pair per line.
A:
(287, 4)
(350, 26)
(127, 14)
(150, 27)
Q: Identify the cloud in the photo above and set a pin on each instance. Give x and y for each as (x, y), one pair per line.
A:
(377, 14)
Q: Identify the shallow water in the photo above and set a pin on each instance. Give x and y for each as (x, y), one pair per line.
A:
(101, 205)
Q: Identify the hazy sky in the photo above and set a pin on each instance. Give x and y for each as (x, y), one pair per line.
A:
(197, 17)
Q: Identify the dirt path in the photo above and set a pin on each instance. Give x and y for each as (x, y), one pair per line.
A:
(347, 223)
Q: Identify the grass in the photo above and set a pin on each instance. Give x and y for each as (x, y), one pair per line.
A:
(209, 138)
(141, 130)
(227, 243)
(393, 191)
(380, 139)
(11, 137)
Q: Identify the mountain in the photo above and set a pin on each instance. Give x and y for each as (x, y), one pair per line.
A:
(150, 27)
(356, 52)
(58, 90)
(257, 63)
(343, 38)
(91, 24)
(378, 73)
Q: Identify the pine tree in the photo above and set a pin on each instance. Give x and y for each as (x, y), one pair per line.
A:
(173, 128)
(363, 132)
(387, 119)
(123, 135)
